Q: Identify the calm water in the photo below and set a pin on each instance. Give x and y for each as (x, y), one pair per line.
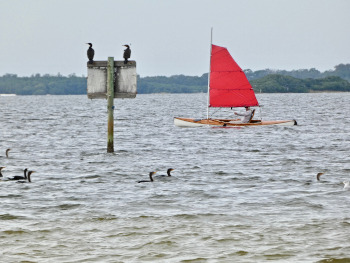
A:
(236, 195)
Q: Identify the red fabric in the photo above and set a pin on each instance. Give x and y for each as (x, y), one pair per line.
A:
(229, 87)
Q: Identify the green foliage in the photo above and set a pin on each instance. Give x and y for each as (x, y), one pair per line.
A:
(282, 84)
(341, 70)
(173, 84)
(303, 80)
(42, 85)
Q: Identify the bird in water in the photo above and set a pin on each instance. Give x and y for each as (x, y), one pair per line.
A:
(1, 176)
(7, 152)
(150, 177)
(28, 178)
(346, 185)
(167, 172)
(127, 53)
(318, 176)
(90, 54)
(17, 177)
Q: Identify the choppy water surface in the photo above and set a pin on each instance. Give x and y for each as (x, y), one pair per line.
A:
(236, 195)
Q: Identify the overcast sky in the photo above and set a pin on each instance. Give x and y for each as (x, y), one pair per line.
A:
(172, 37)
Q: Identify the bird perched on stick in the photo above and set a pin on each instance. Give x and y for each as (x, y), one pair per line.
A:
(127, 53)
(90, 54)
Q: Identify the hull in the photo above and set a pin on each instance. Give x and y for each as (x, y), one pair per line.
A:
(187, 122)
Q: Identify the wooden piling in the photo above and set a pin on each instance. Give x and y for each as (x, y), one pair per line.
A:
(110, 103)
(109, 80)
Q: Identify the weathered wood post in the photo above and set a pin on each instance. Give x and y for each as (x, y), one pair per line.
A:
(110, 105)
(109, 80)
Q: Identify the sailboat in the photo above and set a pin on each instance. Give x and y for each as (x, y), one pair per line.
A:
(228, 87)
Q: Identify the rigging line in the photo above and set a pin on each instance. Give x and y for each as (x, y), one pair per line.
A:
(213, 113)
(208, 99)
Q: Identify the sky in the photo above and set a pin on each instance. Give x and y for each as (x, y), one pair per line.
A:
(172, 37)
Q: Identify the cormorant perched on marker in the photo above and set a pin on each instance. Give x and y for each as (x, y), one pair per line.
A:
(90, 54)
(7, 152)
(150, 177)
(17, 177)
(127, 53)
(28, 178)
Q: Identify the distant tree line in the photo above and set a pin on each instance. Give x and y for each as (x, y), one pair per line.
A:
(173, 84)
(341, 70)
(283, 84)
(42, 85)
(303, 80)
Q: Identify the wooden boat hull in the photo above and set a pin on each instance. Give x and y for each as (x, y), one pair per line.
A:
(187, 122)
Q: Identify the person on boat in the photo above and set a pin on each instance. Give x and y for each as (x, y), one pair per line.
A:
(246, 115)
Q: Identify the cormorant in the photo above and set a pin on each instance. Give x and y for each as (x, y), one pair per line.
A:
(168, 172)
(28, 177)
(90, 54)
(0, 170)
(7, 152)
(127, 53)
(17, 177)
(150, 177)
(318, 176)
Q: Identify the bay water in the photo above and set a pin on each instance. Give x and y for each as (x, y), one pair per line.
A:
(236, 194)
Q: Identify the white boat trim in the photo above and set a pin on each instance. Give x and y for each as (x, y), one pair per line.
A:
(189, 123)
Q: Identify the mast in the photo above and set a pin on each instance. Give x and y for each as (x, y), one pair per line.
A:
(211, 43)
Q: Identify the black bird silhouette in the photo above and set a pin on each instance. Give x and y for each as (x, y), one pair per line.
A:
(127, 53)
(17, 177)
(167, 172)
(28, 178)
(318, 176)
(150, 177)
(90, 54)
(0, 170)
(7, 152)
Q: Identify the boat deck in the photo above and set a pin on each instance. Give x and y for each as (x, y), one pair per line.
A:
(187, 122)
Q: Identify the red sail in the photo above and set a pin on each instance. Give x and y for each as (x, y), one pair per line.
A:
(229, 87)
